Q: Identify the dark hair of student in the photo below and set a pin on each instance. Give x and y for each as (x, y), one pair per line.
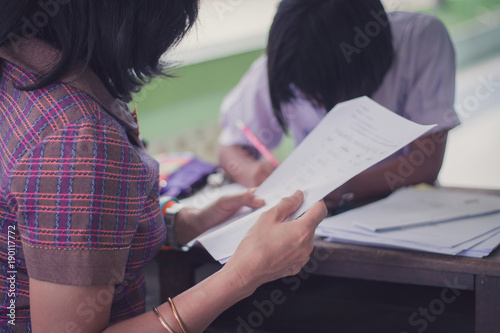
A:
(328, 50)
(122, 41)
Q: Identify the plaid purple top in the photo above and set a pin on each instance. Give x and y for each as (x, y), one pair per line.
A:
(78, 201)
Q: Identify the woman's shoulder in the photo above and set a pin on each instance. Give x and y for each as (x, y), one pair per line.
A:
(58, 104)
(56, 117)
(51, 109)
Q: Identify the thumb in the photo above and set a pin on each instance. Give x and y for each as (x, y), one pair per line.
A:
(287, 206)
(314, 215)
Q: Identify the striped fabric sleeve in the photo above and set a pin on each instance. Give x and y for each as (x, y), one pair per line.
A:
(80, 193)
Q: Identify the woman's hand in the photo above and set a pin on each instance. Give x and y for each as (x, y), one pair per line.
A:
(192, 222)
(272, 249)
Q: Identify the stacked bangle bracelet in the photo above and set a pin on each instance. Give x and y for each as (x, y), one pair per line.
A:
(176, 314)
(163, 321)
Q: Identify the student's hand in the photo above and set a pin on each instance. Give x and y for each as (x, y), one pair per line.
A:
(259, 171)
(192, 222)
(272, 249)
(242, 165)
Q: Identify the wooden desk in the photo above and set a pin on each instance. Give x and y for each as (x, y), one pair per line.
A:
(480, 276)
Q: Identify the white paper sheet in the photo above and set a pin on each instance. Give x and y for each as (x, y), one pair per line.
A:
(352, 137)
(450, 237)
(478, 247)
(484, 248)
(410, 207)
(464, 235)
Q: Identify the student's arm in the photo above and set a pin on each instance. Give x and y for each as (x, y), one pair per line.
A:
(420, 165)
(270, 250)
(241, 164)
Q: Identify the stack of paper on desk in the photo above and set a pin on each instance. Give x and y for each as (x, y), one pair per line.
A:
(433, 220)
(352, 137)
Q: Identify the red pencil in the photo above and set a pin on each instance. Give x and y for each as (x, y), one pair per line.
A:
(257, 144)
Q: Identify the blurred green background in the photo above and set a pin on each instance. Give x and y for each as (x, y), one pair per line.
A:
(456, 11)
(169, 106)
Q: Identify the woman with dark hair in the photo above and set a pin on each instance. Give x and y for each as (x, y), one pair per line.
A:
(79, 197)
(323, 52)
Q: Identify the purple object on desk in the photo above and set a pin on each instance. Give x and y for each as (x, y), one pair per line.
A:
(188, 178)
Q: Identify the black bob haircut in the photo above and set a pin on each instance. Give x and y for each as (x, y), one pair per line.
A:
(329, 51)
(122, 41)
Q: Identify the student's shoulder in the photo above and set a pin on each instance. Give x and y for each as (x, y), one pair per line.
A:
(257, 70)
(417, 27)
(421, 21)
(253, 85)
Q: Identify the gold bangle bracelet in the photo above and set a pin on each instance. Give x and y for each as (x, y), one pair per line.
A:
(162, 321)
(176, 314)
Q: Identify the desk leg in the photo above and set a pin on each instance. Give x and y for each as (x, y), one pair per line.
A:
(487, 304)
(176, 270)
(175, 273)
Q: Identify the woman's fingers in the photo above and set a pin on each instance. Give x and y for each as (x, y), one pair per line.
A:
(285, 207)
(228, 205)
(272, 249)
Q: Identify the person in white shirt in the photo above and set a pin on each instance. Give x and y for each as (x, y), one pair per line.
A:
(323, 52)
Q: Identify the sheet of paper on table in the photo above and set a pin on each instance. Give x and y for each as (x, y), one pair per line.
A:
(433, 220)
(409, 208)
(352, 137)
